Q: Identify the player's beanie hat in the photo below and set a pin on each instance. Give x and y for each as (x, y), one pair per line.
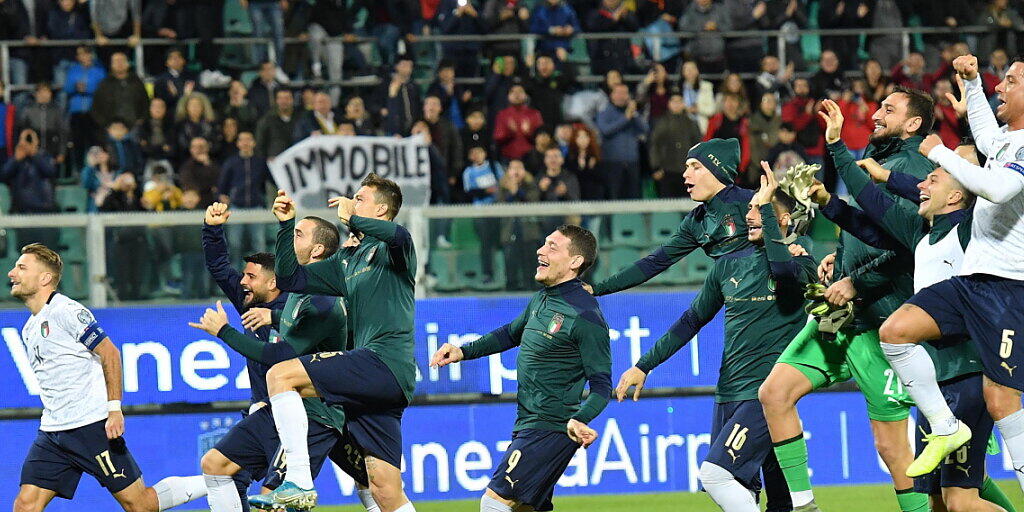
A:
(720, 156)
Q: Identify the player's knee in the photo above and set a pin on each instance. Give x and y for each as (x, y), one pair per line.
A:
(388, 497)
(712, 474)
(1000, 401)
(960, 502)
(23, 503)
(773, 396)
(214, 463)
(896, 331)
(890, 449)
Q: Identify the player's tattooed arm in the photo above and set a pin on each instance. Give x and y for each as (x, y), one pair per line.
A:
(110, 360)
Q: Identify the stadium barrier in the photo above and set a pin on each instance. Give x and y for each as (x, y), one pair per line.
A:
(777, 39)
(654, 445)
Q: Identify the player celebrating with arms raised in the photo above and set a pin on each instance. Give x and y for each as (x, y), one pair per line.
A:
(79, 372)
(762, 288)
(564, 344)
(373, 382)
(983, 301)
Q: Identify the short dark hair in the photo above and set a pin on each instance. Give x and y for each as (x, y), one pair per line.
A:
(263, 259)
(282, 89)
(445, 63)
(117, 120)
(44, 85)
(787, 126)
(326, 234)
(385, 191)
(172, 50)
(581, 243)
(48, 257)
(919, 104)
(785, 201)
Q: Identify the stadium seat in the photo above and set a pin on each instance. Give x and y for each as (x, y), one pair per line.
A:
(663, 224)
(443, 266)
(620, 257)
(463, 234)
(697, 265)
(72, 198)
(629, 230)
(5, 199)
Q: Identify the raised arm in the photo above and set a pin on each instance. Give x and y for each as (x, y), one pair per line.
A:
(398, 239)
(499, 340)
(701, 311)
(683, 242)
(998, 184)
(320, 278)
(984, 127)
(215, 250)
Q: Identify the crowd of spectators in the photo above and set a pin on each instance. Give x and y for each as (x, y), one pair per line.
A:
(194, 133)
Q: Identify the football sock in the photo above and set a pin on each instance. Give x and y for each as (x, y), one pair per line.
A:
(1012, 430)
(292, 428)
(792, 456)
(222, 496)
(489, 504)
(992, 493)
(729, 494)
(911, 501)
(366, 498)
(917, 372)
(178, 490)
(406, 508)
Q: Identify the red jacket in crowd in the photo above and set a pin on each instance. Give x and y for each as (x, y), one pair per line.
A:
(949, 125)
(716, 122)
(795, 113)
(514, 128)
(858, 124)
(925, 82)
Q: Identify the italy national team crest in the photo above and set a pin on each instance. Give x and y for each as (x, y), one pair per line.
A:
(556, 323)
(730, 225)
(44, 328)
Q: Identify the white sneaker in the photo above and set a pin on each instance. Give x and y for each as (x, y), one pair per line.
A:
(442, 242)
(280, 75)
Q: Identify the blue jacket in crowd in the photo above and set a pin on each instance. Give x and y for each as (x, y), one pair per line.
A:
(620, 135)
(80, 101)
(477, 179)
(544, 17)
(245, 180)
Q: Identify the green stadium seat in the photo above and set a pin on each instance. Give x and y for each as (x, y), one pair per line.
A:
(629, 230)
(621, 257)
(697, 265)
(72, 198)
(5, 199)
(463, 234)
(443, 266)
(810, 44)
(663, 224)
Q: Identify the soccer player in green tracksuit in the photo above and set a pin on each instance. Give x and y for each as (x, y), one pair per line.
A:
(937, 231)
(563, 340)
(375, 380)
(716, 225)
(762, 289)
(880, 281)
(307, 324)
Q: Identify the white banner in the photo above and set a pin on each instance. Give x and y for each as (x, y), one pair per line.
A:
(321, 167)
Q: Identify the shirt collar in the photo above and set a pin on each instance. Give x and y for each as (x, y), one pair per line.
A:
(565, 287)
(944, 223)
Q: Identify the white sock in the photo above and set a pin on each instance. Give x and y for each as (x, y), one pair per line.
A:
(178, 490)
(916, 370)
(729, 494)
(489, 504)
(406, 508)
(222, 495)
(1012, 430)
(366, 498)
(801, 498)
(292, 429)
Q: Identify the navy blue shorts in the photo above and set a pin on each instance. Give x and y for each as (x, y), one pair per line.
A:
(532, 465)
(966, 466)
(374, 402)
(987, 310)
(253, 444)
(57, 460)
(740, 441)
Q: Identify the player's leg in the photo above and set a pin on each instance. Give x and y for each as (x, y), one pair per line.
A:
(174, 491)
(249, 445)
(775, 488)
(893, 447)
(31, 498)
(386, 485)
(807, 364)
(526, 476)
(218, 471)
(959, 499)
(348, 456)
(1004, 405)
(287, 384)
(740, 442)
(991, 492)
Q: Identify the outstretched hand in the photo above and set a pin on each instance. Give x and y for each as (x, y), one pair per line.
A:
(633, 377)
(217, 214)
(284, 206)
(446, 355)
(769, 184)
(346, 207)
(833, 117)
(212, 320)
(579, 432)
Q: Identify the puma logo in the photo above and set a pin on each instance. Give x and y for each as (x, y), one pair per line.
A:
(1009, 369)
(511, 483)
(733, 455)
(947, 262)
(118, 475)
(735, 282)
(966, 470)
(1019, 470)
(320, 356)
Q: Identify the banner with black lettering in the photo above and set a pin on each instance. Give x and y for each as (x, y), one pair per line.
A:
(325, 166)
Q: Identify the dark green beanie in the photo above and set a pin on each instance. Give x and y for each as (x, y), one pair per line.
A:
(720, 156)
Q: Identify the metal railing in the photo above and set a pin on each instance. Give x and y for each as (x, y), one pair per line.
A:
(527, 40)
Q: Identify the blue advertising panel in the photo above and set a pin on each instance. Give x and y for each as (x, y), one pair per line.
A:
(165, 360)
(655, 445)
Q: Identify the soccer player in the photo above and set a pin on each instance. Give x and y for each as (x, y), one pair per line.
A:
(716, 225)
(880, 281)
(762, 289)
(564, 345)
(79, 372)
(307, 324)
(375, 381)
(938, 231)
(983, 301)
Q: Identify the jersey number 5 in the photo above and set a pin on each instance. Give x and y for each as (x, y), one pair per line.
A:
(1006, 346)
